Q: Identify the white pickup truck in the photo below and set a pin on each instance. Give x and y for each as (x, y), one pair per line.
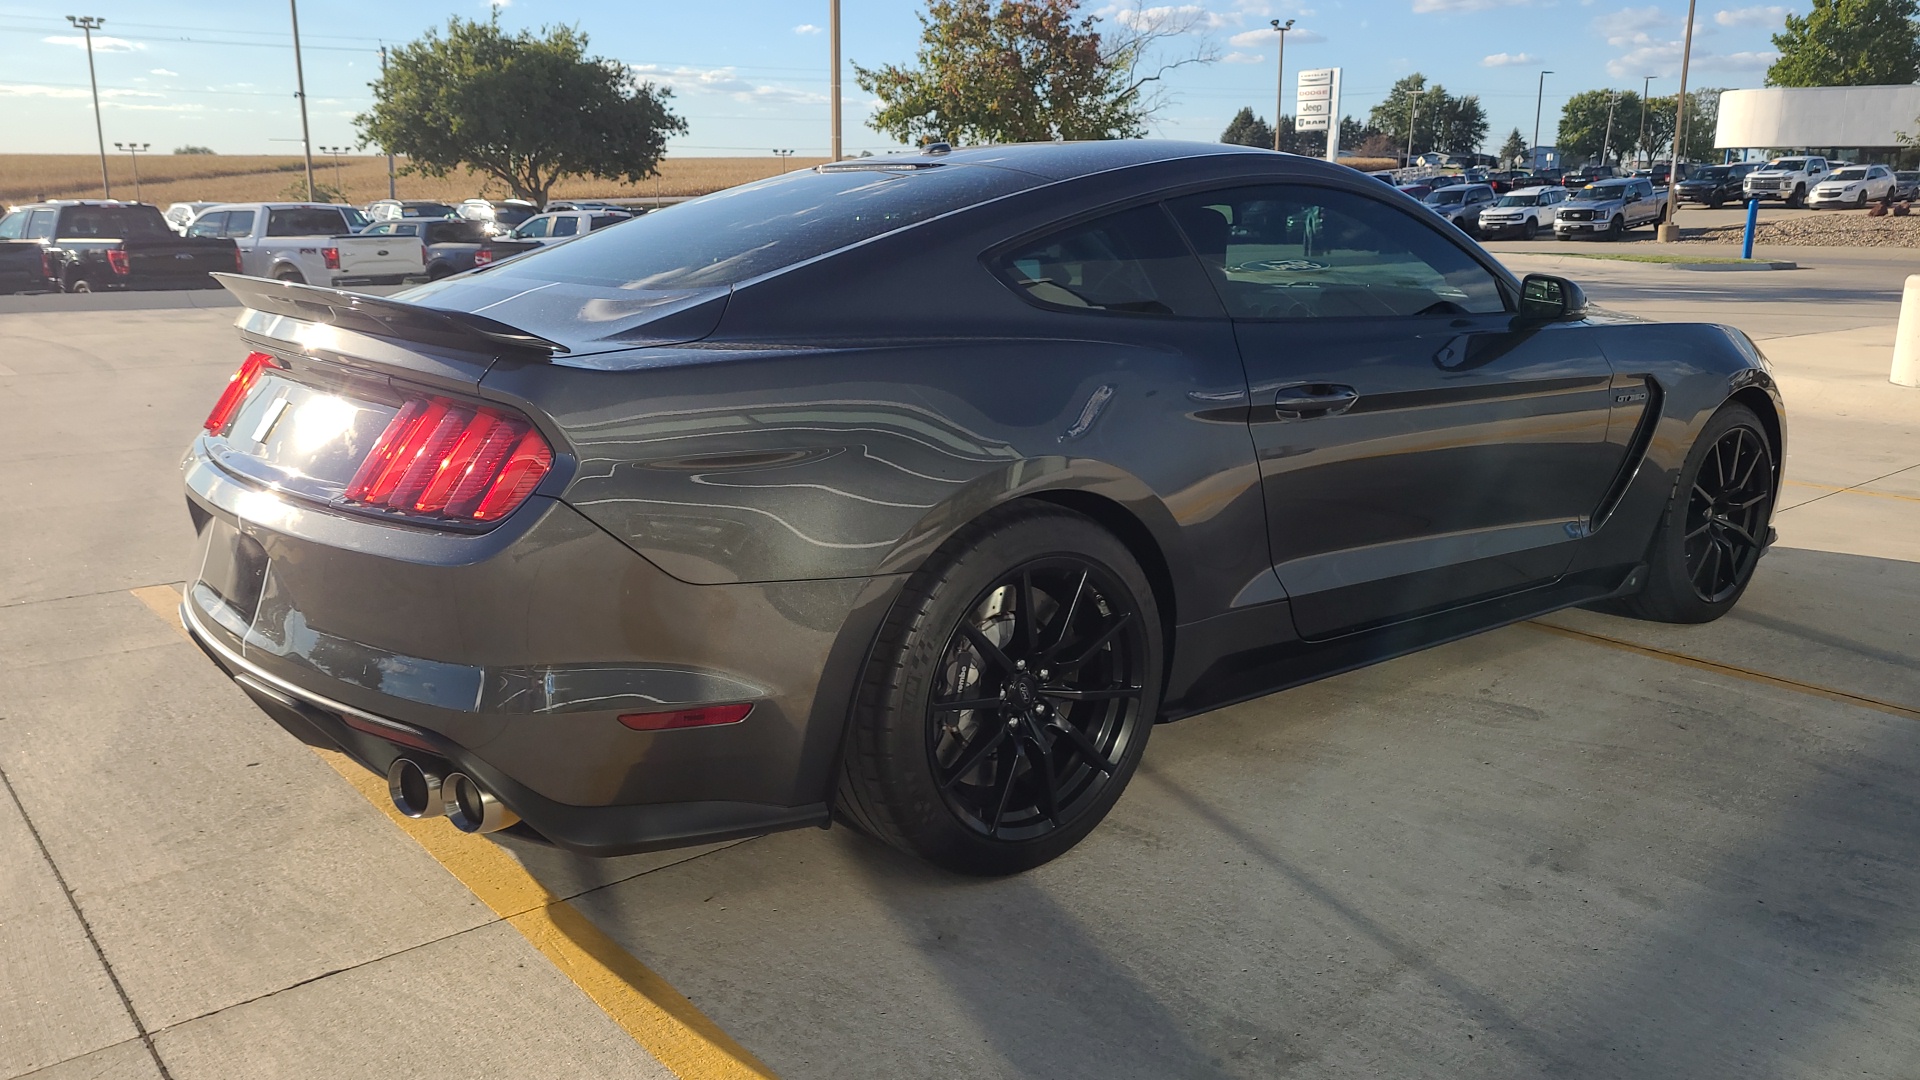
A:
(310, 243)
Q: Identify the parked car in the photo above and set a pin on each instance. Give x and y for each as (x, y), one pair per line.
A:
(1712, 185)
(1461, 204)
(499, 216)
(451, 245)
(1789, 179)
(181, 214)
(1855, 186)
(1416, 192)
(1591, 174)
(1609, 208)
(310, 243)
(900, 544)
(88, 246)
(1658, 171)
(1525, 213)
(590, 206)
(543, 229)
(400, 209)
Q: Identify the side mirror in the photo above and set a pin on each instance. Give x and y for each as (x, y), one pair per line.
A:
(1545, 297)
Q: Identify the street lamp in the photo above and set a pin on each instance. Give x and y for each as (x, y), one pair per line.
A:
(134, 150)
(1640, 142)
(1539, 95)
(87, 24)
(1280, 78)
(336, 153)
(783, 155)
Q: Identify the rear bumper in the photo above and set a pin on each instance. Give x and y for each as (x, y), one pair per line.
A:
(375, 279)
(511, 654)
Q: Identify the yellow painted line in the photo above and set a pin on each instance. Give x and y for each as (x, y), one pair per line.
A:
(1852, 491)
(1731, 670)
(657, 1016)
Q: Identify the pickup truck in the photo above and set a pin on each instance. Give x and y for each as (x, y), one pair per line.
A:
(551, 227)
(1609, 208)
(451, 244)
(1788, 179)
(310, 244)
(88, 246)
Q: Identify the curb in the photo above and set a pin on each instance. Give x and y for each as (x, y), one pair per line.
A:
(1739, 267)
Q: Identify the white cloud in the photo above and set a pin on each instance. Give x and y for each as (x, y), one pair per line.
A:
(101, 42)
(164, 71)
(1740, 61)
(1772, 15)
(1629, 26)
(36, 90)
(806, 28)
(1167, 18)
(1459, 7)
(725, 81)
(1253, 39)
(1244, 58)
(1501, 59)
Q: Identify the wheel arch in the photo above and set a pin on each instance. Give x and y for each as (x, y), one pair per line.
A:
(1764, 407)
(1132, 532)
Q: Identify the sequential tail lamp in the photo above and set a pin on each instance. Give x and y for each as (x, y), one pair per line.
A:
(237, 386)
(118, 262)
(704, 716)
(444, 459)
(332, 256)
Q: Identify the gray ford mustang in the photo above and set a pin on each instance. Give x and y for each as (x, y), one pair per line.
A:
(912, 491)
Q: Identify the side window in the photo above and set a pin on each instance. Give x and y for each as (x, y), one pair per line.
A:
(381, 229)
(533, 228)
(1302, 252)
(239, 224)
(566, 226)
(1133, 261)
(14, 225)
(208, 224)
(40, 224)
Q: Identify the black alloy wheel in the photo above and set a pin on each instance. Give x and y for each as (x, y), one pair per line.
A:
(1009, 695)
(1715, 528)
(1616, 228)
(1037, 698)
(1530, 230)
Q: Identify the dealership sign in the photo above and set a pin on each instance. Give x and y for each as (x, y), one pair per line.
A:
(1317, 106)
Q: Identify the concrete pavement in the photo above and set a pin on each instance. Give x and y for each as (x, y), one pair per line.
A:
(1600, 848)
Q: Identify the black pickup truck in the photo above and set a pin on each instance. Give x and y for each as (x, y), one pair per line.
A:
(94, 246)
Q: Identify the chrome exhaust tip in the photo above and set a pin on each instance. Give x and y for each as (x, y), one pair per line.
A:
(416, 788)
(472, 808)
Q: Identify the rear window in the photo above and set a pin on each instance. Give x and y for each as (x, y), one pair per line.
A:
(306, 221)
(452, 232)
(1849, 174)
(120, 222)
(758, 228)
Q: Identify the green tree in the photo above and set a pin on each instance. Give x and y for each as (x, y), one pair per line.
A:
(1703, 114)
(1849, 43)
(1513, 149)
(191, 149)
(1460, 124)
(1028, 71)
(1582, 134)
(1247, 129)
(1439, 120)
(528, 110)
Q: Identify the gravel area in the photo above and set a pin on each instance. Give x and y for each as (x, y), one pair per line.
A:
(1833, 228)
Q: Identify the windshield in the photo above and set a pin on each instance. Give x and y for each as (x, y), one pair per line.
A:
(1849, 174)
(1600, 193)
(1711, 172)
(1447, 197)
(1520, 200)
(426, 210)
(1788, 164)
(306, 221)
(510, 215)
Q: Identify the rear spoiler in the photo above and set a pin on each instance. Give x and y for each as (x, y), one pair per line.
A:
(380, 316)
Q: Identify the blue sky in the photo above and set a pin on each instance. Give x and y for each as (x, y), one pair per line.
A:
(750, 75)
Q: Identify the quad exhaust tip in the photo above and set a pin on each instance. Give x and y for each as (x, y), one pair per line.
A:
(416, 788)
(472, 808)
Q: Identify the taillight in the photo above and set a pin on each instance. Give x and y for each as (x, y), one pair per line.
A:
(46, 263)
(704, 716)
(482, 257)
(423, 253)
(238, 267)
(236, 391)
(332, 256)
(118, 262)
(448, 459)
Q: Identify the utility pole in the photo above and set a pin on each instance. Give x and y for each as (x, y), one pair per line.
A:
(336, 153)
(1413, 115)
(1539, 95)
(1280, 79)
(134, 150)
(383, 75)
(87, 24)
(1669, 230)
(1606, 141)
(833, 30)
(1640, 142)
(300, 83)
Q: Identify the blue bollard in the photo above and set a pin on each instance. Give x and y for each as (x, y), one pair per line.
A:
(1753, 221)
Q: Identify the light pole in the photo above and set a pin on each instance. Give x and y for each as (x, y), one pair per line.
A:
(833, 30)
(1539, 96)
(300, 88)
(87, 24)
(1669, 230)
(1413, 115)
(134, 150)
(383, 75)
(783, 155)
(1606, 141)
(1640, 141)
(1280, 78)
(336, 153)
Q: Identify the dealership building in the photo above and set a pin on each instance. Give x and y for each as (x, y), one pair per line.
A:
(1850, 123)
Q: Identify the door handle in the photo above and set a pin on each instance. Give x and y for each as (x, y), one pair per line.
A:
(1306, 401)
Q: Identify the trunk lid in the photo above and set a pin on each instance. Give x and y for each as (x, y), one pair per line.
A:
(378, 256)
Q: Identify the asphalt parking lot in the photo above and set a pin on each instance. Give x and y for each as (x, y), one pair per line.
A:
(1581, 847)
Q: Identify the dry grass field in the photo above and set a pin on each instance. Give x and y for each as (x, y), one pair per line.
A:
(169, 178)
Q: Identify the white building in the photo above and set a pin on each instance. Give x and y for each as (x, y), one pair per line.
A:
(1855, 123)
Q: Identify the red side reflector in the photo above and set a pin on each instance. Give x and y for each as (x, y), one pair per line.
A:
(444, 459)
(705, 716)
(117, 260)
(332, 255)
(236, 392)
